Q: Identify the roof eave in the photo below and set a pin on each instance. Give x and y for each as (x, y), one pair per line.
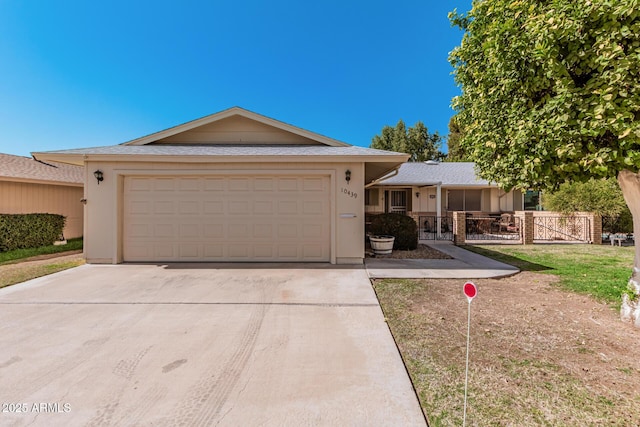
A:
(41, 181)
(67, 158)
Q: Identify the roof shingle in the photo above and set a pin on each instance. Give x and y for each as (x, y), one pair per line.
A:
(26, 168)
(431, 173)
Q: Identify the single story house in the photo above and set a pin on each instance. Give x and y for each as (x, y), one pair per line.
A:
(232, 186)
(31, 186)
(435, 188)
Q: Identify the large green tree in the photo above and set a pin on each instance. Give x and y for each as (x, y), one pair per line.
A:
(551, 93)
(455, 153)
(602, 196)
(416, 141)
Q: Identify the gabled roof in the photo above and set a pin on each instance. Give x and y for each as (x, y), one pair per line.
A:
(233, 136)
(450, 174)
(26, 169)
(229, 113)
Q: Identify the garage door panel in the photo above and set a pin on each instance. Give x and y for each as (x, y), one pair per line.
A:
(214, 184)
(189, 184)
(263, 184)
(189, 208)
(313, 184)
(164, 184)
(213, 231)
(239, 184)
(213, 207)
(238, 207)
(164, 231)
(164, 208)
(255, 218)
(189, 252)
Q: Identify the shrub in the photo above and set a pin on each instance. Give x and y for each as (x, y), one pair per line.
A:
(24, 231)
(402, 227)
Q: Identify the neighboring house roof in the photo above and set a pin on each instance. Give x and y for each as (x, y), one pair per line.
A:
(26, 169)
(450, 174)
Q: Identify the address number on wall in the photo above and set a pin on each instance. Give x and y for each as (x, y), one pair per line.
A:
(349, 192)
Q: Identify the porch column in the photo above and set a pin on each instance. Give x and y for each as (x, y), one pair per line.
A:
(439, 210)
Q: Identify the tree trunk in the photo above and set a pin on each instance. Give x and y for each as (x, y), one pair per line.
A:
(630, 185)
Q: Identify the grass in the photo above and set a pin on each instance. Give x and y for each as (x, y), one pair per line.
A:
(601, 271)
(19, 254)
(523, 371)
(13, 270)
(35, 271)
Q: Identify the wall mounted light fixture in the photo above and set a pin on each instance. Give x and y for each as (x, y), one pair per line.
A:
(347, 175)
(417, 194)
(99, 176)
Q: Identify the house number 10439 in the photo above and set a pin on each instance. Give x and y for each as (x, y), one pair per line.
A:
(350, 193)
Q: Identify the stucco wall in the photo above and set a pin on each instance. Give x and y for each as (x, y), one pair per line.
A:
(103, 224)
(23, 198)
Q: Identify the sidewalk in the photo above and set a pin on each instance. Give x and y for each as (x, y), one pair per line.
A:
(464, 265)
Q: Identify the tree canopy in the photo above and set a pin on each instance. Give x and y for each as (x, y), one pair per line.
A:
(416, 141)
(602, 196)
(550, 90)
(455, 152)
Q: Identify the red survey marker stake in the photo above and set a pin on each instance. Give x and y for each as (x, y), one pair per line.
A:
(470, 291)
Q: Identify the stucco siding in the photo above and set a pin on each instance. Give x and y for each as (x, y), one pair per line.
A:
(103, 241)
(237, 130)
(23, 198)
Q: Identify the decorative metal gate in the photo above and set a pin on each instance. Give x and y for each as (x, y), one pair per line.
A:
(562, 228)
(504, 227)
(428, 227)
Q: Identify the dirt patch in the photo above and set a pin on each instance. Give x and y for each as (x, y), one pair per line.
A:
(421, 252)
(539, 355)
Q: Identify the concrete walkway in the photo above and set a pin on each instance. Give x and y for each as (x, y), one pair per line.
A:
(464, 265)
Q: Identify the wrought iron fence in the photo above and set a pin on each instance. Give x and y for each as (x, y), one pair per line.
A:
(504, 227)
(562, 228)
(428, 227)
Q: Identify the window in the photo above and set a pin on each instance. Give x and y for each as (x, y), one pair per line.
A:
(472, 200)
(532, 201)
(371, 197)
(456, 200)
(464, 200)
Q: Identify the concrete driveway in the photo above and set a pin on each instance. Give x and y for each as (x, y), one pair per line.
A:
(202, 344)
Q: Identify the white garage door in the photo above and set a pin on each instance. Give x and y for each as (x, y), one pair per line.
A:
(227, 218)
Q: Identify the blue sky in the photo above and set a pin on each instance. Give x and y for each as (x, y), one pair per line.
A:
(83, 73)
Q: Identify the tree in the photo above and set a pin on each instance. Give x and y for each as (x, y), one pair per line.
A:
(551, 94)
(602, 196)
(455, 152)
(416, 141)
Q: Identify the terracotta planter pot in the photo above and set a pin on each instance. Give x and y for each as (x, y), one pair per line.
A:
(382, 245)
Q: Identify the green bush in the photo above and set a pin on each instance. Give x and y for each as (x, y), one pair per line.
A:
(402, 227)
(24, 231)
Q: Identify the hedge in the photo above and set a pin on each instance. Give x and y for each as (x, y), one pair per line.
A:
(402, 227)
(24, 231)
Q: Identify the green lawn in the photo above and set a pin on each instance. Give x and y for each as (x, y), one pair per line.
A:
(18, 254)
(601, 271)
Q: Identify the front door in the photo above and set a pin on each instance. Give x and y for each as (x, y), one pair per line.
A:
(398, 201)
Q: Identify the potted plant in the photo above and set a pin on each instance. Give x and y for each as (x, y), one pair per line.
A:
(382, 245)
